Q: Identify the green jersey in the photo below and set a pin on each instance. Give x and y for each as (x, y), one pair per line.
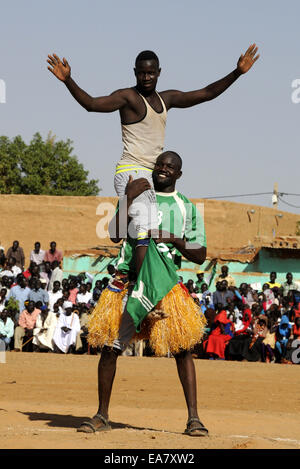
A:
(176, 215)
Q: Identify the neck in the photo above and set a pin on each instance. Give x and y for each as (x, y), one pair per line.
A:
(165, 190)
(145, 93)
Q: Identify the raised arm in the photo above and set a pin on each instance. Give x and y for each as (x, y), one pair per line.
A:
(180, 99)
(62, 70)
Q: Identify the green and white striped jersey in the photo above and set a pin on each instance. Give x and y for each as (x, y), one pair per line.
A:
(176, 215)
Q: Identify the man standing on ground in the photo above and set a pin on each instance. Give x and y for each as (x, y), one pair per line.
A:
(53, 254)
(193, 246)
(37, 255)
(17, 252)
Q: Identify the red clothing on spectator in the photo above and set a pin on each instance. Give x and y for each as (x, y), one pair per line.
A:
(296, 331)
(217, 341)
(73, 295)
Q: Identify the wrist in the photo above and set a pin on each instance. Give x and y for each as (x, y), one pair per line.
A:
(67, 80)
(237, 73)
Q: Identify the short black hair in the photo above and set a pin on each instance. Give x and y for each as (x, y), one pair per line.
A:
(175, 156)
(147, 55)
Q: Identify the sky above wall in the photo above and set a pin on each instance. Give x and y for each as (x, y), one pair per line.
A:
(241, 143)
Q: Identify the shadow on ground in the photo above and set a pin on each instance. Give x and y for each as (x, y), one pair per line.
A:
(71, 421)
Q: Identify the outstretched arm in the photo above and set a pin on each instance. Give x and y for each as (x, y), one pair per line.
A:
(62, 70)
(180, 99)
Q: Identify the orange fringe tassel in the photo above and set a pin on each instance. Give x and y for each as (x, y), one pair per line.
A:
(104, 322)
(181, 330)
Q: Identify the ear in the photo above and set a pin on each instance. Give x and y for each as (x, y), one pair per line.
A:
(179, 175)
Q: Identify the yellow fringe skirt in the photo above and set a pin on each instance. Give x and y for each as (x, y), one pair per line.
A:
(181, 330)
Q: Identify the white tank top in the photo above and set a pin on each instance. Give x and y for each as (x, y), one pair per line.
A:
(143, 141)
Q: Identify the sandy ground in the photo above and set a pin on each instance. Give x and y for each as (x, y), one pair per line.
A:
(45, 397)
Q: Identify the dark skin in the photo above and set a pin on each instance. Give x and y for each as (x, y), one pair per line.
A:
(165, 175)
(130, 105)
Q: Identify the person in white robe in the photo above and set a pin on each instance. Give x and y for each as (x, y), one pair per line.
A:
(67, 328)
(44, 329)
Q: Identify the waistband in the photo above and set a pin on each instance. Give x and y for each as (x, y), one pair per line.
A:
(130, 167)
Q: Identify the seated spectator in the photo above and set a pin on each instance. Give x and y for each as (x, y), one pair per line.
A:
(44, 330)
(83, 296)
(46, 273)
(295, 334)
(73, 291)
(224, 275)
(293, 348)
(7, 270)
(2, 257)
(268, 343)
(26, 325)
(272, 283)
(289, 285)
(200, 279)
(98, 287)
(53, 254)
(6, 329)
(253, 346)
(37, 255)
(94, 300)
(37, 293)
(67, 328)
(222, 294)
(20, 293)
(282, 337)
(54, 294)
(241, 335)
(221, 334)
(17, 252)
(3, 293)
(81, 339)
(57, 274)
(13, 265)
(268, 297)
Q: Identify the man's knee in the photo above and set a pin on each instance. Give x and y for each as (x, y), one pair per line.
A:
(112, 352)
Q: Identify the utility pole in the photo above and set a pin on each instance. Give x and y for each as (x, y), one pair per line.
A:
(275, 196)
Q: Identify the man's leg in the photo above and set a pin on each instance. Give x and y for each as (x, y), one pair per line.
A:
(187, 376)
(106, 374)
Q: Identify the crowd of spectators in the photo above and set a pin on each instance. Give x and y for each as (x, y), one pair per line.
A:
(43, 311)
(251, 322)
(40, 310)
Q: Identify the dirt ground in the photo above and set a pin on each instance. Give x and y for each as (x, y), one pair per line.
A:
(45, 397)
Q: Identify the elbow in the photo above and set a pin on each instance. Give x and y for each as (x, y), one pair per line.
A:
(201, 255)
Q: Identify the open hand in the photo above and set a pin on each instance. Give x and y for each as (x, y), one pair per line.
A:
(246, 61)
(61, 69)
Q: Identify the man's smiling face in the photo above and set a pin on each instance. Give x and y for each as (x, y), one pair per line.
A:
(166, 171)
